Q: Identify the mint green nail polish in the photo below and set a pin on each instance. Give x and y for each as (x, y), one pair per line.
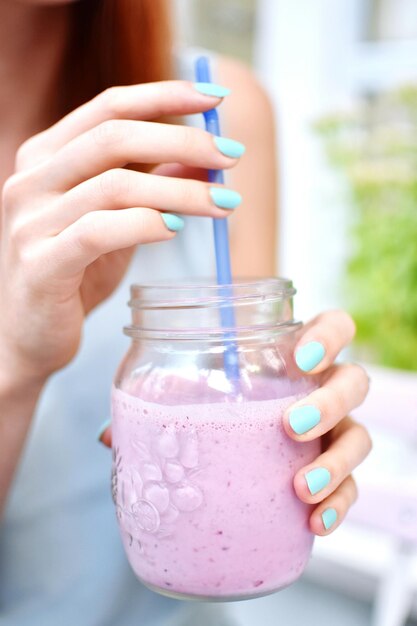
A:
(225, 198)
(211, 89)
(304, 418)
(102, 428)
(229, 147)
(329, 516)
(173, 222)
(309, 355)
(317, 479)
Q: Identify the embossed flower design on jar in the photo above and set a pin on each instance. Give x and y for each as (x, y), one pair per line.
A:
(151, 495)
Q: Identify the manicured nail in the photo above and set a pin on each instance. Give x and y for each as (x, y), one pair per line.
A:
(304, 418)
(225, 198)
(329, 516)
(211, 89)
(173, 222)
(229, 147)
(317, 479)
(103, 428)
(309, 355)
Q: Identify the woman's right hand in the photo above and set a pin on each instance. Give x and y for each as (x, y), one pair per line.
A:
(71, 214)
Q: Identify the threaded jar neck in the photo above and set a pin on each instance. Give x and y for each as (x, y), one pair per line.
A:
(188, 311)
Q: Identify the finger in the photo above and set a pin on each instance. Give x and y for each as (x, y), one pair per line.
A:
(117, 143)
(100, 232)
(176, 170)
(331, 512)
(350, 445)
(322, 340)
(344, 388)
(120, 189)
(105, 437)
(134, 102)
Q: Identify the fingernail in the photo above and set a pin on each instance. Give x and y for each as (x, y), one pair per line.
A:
(317, 479)
(211, 89)
(173, 222)
(225, 198)
(102, 428)
(329, 516)
(304, 418)
(229, 147)
(309, 355)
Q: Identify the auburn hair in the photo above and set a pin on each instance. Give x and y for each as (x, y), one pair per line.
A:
(114, 42)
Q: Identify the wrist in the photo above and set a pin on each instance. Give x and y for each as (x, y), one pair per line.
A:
(18, 400)
(17, 381)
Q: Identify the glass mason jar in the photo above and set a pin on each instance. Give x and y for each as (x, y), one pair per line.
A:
(203, 471)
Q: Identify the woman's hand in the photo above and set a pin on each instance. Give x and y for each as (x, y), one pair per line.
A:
(71, 214)
(327, 482)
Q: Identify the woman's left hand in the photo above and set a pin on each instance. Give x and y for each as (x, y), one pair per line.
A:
(327, 482)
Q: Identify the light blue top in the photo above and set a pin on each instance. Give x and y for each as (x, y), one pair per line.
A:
(61, 557)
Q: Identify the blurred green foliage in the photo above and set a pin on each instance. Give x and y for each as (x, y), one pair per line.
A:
(375, 148)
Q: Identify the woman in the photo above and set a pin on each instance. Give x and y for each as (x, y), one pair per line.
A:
(72, 216)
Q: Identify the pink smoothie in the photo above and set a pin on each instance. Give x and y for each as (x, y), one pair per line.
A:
(204, 495)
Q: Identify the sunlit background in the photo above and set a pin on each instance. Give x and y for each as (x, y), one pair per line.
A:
(343, 77)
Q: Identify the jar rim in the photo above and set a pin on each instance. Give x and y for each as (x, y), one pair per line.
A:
(204, 293)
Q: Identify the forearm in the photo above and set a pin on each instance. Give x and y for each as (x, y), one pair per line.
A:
(18, 400)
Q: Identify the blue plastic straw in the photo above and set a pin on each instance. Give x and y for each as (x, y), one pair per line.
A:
(221, 237)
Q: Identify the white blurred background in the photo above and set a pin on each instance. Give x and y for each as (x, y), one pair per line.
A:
(320, 57)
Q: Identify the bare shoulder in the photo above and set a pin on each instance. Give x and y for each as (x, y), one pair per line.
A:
(249, 101)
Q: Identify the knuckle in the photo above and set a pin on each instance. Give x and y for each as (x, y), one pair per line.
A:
(24, 153)
(110, 101)
(335, 403)
(141, 220)
(186, 193)
(342, 466)
(20, 231)
(353, 490)
(322, 318)
(345, 497)
(346, 321)
(362, 376)
(338, 466)
(337, 319)
(107, 133)
(84, 233)
(29, 258)
(187, 139)
(12, 191)
(348, 493)
(361, 434)
(365, 437)
(31, 152)
(114, 183)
